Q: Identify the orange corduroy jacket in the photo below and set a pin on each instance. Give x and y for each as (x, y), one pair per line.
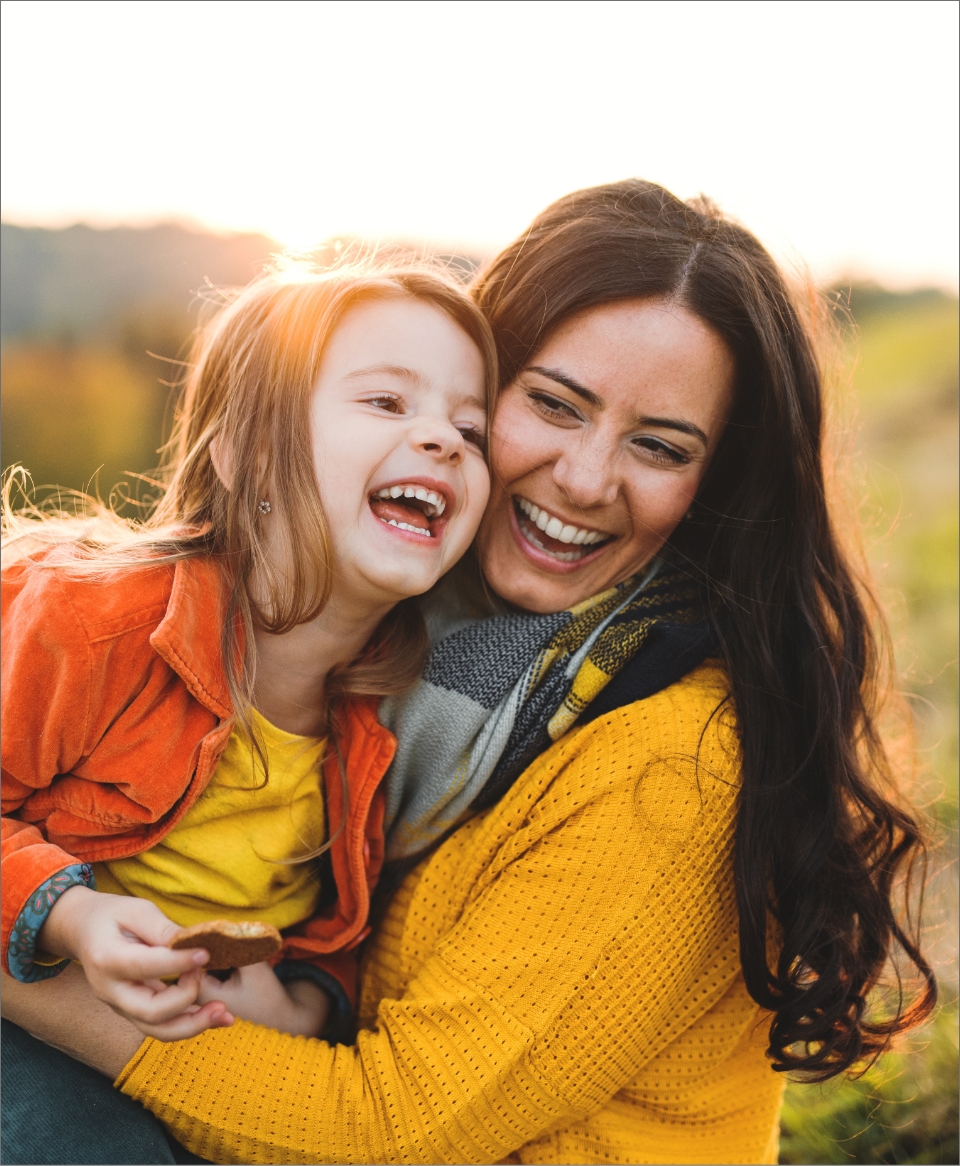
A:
(115, 713)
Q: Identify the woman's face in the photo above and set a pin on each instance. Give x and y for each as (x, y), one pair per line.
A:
(599, 446)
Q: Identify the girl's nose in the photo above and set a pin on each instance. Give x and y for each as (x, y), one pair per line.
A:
(439, 439)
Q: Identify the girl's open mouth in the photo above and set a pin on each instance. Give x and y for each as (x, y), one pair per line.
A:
(561, 541)
(412, 507)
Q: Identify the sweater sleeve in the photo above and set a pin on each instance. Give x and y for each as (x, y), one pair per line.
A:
(594, 931)
(45, 697)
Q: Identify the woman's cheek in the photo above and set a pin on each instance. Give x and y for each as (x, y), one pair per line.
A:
(478, 492)
(516, 441)
(661, 501)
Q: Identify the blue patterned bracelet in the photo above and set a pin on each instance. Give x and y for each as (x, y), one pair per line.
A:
(23, 937)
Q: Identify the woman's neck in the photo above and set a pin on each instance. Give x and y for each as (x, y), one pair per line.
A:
(292, 668)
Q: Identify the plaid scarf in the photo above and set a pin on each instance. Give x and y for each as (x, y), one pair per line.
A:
(496, 692)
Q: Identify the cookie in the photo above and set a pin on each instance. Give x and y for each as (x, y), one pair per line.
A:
(231, 945)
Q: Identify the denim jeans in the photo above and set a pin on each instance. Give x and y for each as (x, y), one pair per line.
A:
(57, 1111)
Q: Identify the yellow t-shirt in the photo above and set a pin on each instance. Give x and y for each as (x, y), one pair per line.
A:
(220, 860)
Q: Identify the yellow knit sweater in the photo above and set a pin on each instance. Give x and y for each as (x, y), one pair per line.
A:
(558, 983)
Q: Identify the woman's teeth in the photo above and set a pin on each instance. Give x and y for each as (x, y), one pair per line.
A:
(435, 503)
(554, 527)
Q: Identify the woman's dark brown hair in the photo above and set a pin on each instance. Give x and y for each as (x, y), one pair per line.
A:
(822, 845)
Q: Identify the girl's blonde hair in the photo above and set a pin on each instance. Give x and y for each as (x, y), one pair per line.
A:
(249, 379)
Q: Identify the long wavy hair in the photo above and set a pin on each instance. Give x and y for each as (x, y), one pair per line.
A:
(249, 379)
(824, 842)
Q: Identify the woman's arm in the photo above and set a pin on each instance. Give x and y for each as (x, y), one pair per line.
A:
(590, 919)
(65, 1013)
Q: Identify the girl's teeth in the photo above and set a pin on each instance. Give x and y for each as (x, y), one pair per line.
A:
(406, 526)
(432, 499)
(562, 532)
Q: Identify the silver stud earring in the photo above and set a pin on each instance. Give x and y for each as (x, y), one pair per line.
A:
(264, 506)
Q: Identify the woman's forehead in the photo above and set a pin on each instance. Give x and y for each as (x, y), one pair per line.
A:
(640, 357)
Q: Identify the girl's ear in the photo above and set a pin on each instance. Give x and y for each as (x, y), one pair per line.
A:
(222, 457)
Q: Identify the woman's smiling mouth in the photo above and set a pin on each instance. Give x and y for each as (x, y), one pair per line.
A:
(561, 541)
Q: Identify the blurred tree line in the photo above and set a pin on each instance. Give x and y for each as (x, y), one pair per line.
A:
(93, 323)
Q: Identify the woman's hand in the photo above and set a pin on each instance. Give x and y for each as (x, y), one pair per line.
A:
(121, 943)
(254, 993)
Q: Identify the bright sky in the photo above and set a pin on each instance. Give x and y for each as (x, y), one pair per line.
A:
(830, 128)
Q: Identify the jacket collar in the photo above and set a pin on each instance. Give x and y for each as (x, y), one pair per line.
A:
(189, 637)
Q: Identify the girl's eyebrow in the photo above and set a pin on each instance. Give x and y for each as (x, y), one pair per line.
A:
(474, 401)
(407, 374)
(591, 398)
(394, 370)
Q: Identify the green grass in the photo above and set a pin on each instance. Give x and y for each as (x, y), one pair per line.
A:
(903, 1109)
(903, 369)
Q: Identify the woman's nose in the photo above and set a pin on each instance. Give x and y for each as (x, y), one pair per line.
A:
(439, 439)
(587, 473)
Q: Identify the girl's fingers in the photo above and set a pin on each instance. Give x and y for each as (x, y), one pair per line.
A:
(136, 961)
(190, 1024)
(146, 921)
(147, 1006)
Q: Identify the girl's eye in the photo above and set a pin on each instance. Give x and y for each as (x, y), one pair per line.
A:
(386, 402)
(473, 436)
(662, 452)
(554, 407)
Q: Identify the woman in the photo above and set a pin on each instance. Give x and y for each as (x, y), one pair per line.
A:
(663, 867)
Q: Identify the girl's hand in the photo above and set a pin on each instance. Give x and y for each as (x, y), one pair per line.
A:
(121, 943)
(254, 993)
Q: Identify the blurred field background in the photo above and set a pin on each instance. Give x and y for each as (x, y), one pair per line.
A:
(88, 317)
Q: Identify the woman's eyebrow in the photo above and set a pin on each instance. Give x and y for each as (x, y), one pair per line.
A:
(554, 374)
(561, 378)
(674, 423)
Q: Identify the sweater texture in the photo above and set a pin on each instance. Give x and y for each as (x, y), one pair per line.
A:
(558, 982)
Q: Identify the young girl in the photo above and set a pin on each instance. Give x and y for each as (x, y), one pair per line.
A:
(187, 702)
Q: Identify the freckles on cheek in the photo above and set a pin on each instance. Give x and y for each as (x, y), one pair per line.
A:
(517, 446)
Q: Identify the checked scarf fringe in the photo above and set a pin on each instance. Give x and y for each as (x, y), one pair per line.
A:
(496, 692)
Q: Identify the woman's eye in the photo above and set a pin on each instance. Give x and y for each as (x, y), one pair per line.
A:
(662, 452)
(388, 404)
(473, 436)
(552, 406)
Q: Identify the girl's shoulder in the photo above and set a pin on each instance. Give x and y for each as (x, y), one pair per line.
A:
(34, 586)
(101, 603)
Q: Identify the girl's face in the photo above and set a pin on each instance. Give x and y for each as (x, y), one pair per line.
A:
(398, 422)
(599, 446)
